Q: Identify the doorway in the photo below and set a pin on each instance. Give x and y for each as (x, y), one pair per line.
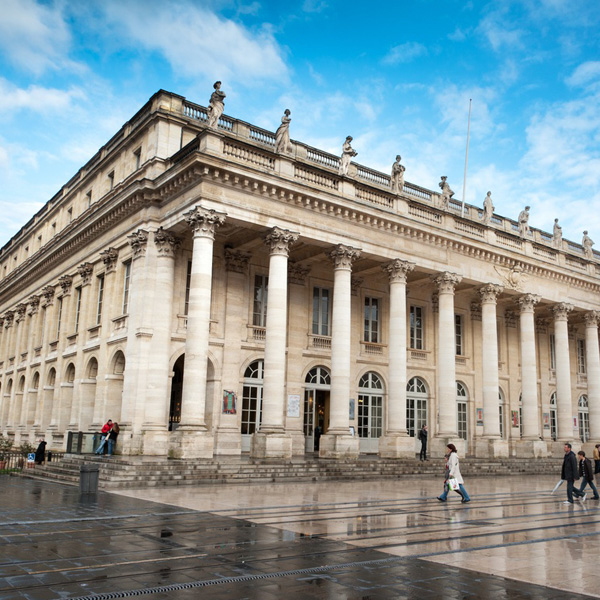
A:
(316, 407)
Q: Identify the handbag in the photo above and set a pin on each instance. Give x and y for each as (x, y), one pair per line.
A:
(453, 484)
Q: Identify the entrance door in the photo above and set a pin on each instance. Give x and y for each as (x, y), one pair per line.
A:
(316, 407)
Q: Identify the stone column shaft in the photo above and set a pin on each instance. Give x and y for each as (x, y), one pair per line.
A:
(529, 394)
(593, 371)
(563, 372)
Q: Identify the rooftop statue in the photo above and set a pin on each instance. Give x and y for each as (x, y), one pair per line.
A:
(282, 135)
(488, 208)
(524, 222)
(397, 177)
(348, 153)
(557, 235)
(587, 244)
(216, 105)
(447, 193)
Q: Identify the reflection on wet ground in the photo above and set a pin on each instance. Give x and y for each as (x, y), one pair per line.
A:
(375, 539)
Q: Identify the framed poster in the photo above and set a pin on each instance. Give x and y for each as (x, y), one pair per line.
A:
(515, 418)
(546, 420)
(229, 402)
(479, 416)
(293, 405)
(351, 409)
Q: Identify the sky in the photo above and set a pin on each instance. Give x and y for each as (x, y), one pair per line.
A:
(397, 76)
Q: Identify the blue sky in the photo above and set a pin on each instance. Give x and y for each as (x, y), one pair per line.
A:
(397, 76)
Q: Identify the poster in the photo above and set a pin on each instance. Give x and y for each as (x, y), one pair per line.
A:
(229, 402)
(479, 416)
(515, 418)
(546, 420)
(351, 409)
(293, 405)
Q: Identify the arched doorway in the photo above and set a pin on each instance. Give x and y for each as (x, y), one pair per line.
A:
(462, 419)
(553, 416)
(317, 385)
(176, 391)
(584, 418)
(370, 412)
(252, 402)
(417, 401)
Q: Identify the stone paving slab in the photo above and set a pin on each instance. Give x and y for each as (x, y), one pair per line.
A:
(325, 544)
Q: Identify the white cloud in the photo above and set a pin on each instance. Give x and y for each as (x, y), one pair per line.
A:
(404, 53)
(458, 35)
(197, 41)
(496, 30)
(35, 98)
(34, 37)
(585, 73)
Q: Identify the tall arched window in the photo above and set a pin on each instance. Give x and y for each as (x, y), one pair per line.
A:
(584, 418)
(416, 405)
(553, 416)
(370, 406)
(461, 410)
(252, 397)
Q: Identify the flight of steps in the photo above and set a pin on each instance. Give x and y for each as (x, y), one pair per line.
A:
(135, 472)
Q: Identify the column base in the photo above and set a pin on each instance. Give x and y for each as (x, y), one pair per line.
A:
(339, 446)
(530, 449)
(155, 442)
(491, 448)
(228, 442)
(271, 445)
(191, 443)
(298, 443)
(396, 446)
(437, 446)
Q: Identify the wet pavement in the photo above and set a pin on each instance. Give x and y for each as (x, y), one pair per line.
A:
(332, 540)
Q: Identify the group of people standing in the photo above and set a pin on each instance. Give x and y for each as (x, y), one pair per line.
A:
(110, 432)
(575, 467)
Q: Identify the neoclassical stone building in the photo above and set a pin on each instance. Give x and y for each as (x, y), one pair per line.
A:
(218, 289)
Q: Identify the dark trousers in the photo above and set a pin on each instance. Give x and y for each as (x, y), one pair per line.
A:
(423, 453)
(572, 490)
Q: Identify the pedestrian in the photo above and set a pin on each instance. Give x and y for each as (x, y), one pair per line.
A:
(453, 472)
(587, 475)
(112, 438)
(569, 474)
(105, 433)
(40, 453)
(597, 458)
(423, 440)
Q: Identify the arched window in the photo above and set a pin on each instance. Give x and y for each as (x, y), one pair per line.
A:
(70, 373)
(252, 397)
(118, 363)
(416, 405)
(584, 418)
(22, 384)
(553, 417)
(318, 376)
(35, 382)
(370, 406)
(92, 369)
(51, 377)
(461, 410)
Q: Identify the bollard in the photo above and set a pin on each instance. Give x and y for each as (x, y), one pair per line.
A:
(88, 479)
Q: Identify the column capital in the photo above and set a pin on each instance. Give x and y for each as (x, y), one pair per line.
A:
(561, 311)
(489, 293)
(592, 318)
(85, 271)
(236, 260)
(48, 294)
(65, 283)
(279, 240)
(204, 222)
(9, 316)
(21, 309)
(343, 256)
(475, 311)
(541, 325)
(527, 302)
(109, 257)
(297, 273)
(138, 242)
(446, 282)
(34, 303)
(166, 243)
(398, 270)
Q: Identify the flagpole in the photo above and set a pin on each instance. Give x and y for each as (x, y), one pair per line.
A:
(462, 211)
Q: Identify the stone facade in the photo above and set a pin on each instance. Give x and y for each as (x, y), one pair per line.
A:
(215, 296)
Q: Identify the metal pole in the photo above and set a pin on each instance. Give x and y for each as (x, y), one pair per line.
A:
(462, 211)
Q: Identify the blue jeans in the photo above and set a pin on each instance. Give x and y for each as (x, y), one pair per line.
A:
(111, 445)
(461, 492)
(101, 446)
(572, 490)
(591, 484)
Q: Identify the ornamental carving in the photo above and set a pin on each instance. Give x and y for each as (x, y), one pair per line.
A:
(446, 282)
(48, 295)
(236, 260)
(297, 273)
(34, 304)
(528, 302)
(592, 318)
(343, 256)
(513, 278)
(541, 325)
(355, 283)
(85, 271)
(398, 270)
(475, 311)
(109, 257)
(561, 311)
(204, 222)
(279, 240)
(166, 243)
(138, 242)
(65, 283)
(435, 303)
(21, 309)
(9, 318)
(489, 293)
(510, 319)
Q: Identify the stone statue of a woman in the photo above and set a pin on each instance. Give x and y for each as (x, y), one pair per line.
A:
(397, 178)
(282, 135)
(216, 106)
(348, 153)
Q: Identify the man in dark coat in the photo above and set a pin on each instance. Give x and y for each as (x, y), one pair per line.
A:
(587, 474)
(423, 439)
(40, 453)
(569, 474)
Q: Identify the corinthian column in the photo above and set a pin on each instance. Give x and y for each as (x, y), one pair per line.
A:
(271, 441)
(593, 371)
(337, 442)
(529, 395)
(396, 443)
(563, 372)
(446, 366)
(195, 440)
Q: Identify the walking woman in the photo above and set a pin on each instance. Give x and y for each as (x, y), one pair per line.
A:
(453, 472)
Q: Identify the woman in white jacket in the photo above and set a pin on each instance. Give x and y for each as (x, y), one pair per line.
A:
(453, 472)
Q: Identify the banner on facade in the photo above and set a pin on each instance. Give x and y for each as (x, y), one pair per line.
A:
(293, 405)
(229, 402)
(515, 418)
(480, 416)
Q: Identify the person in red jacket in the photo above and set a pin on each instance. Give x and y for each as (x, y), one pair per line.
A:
(106, 429)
